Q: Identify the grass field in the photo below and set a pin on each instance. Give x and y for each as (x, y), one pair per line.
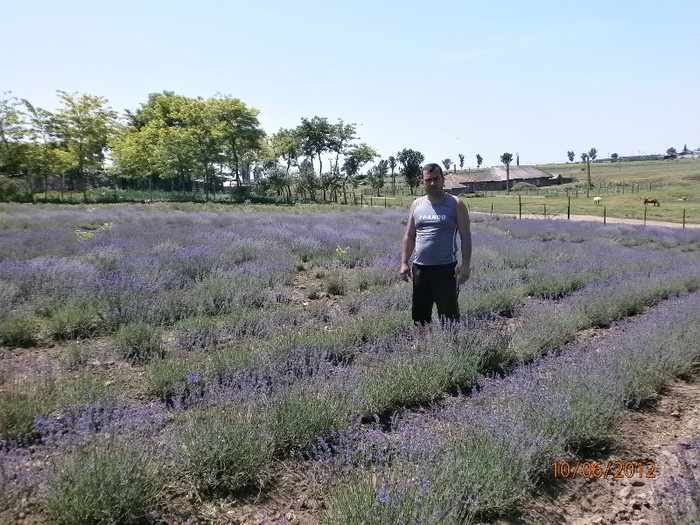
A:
(622, 186)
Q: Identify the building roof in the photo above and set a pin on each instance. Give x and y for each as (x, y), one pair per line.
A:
(497, 173)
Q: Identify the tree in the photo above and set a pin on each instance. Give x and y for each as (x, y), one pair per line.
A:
(355, 159)
(376, 178)
(571, 155)
(237, 130)
(461, 161)
(286, 143)
(316, 138)
(306, 181)
(447, 163)
(383, 167)
(12, 134)
(614, 156)
(411, 162)
(44, 155)
(587, 158)
(392, 166)
(85, 125)
(506, 159)
(280, 181)
(341, 135)
(671, 152)
(685, 149)
(479, 160)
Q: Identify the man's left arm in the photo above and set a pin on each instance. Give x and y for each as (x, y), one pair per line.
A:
(465, 236)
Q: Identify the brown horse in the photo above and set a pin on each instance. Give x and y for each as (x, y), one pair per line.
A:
(653, 201)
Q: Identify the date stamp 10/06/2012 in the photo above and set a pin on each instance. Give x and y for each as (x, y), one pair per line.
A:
(609, 469)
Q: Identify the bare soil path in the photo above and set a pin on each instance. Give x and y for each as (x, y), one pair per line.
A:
(651, 435)
(608, 220)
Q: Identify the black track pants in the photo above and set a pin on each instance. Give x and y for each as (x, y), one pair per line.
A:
(434, 284)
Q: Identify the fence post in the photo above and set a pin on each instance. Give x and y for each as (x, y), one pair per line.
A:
(645, 215)
(520, 207)
(545, 211)
(385, 201)
(684, 218)
(370, 202)
(605, 216)
(568, 209)
(492, 208)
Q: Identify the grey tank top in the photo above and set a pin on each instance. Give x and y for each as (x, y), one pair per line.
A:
(436, 231)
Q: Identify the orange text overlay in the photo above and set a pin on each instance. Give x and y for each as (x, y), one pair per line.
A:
(611, 469)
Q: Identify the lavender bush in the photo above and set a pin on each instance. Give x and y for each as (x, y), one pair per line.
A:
(252, 368)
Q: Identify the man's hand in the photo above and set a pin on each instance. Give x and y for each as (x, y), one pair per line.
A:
(405, 272)
(462, 274)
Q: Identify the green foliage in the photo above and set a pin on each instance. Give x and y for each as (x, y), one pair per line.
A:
(226, 453)
(110, 485)
(411, 162)
(74, 321)
(19, 329)
(298, 419)
(416, 380)
(82, 388)
(75, 357)
(163, 377)
(336, 284)
(139, 343)
(18, 408)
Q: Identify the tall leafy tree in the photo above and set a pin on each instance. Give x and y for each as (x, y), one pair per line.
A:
(447, 163)
(506, 159)
(354, 160)
(571, 155)
(315, 134)
(44, 155)
(392, 167)
(411, 162)
(239, 131)
(461, 161)
(287, 145)
(479, 160)
(376, 178)
(12, 134)
(340, 138)
(587, 158)
(85, 124)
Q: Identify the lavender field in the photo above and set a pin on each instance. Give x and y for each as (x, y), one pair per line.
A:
(182, 364)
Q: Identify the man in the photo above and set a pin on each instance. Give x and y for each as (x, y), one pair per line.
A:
(434, 223)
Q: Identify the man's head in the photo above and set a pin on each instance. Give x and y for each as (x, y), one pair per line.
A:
(433, 179)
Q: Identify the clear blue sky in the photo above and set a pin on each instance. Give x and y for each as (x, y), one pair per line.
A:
(444, 77)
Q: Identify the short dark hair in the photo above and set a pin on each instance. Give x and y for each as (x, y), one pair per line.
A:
(432, 167)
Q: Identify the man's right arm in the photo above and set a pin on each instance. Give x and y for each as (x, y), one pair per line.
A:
(407, 246)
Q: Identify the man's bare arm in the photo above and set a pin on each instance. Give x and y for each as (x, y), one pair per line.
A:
(465, 236)
(407, 246)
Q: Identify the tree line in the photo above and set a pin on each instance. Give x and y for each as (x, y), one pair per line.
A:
(178, 143)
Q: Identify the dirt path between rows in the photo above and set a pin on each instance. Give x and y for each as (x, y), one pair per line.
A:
(651, 436)
(599, 220)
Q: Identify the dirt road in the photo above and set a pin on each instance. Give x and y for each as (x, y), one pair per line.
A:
(599, 220)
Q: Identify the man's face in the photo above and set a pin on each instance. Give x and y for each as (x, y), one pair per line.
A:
(433, 182)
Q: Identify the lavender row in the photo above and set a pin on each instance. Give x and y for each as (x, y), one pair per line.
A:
(473, 458)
